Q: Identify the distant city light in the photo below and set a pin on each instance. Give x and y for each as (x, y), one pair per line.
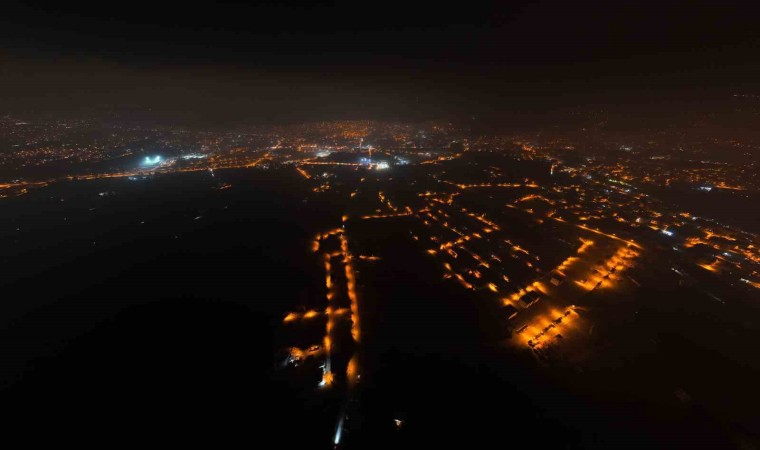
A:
(382, 165)
(669, 233)
(323, 153)
(194, 156)
(338, 431)
(148, 161)
(705, 188)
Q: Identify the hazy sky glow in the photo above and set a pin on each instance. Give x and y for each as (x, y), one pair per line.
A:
(273, 60)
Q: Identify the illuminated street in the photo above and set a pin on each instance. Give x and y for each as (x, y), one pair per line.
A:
(412, 226)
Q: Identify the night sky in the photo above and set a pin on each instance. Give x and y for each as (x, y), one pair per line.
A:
(338, 59)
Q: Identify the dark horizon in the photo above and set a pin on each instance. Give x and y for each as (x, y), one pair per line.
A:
(355, 225)
(270, 62)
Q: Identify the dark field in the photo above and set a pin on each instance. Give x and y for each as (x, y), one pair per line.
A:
(158, 315)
